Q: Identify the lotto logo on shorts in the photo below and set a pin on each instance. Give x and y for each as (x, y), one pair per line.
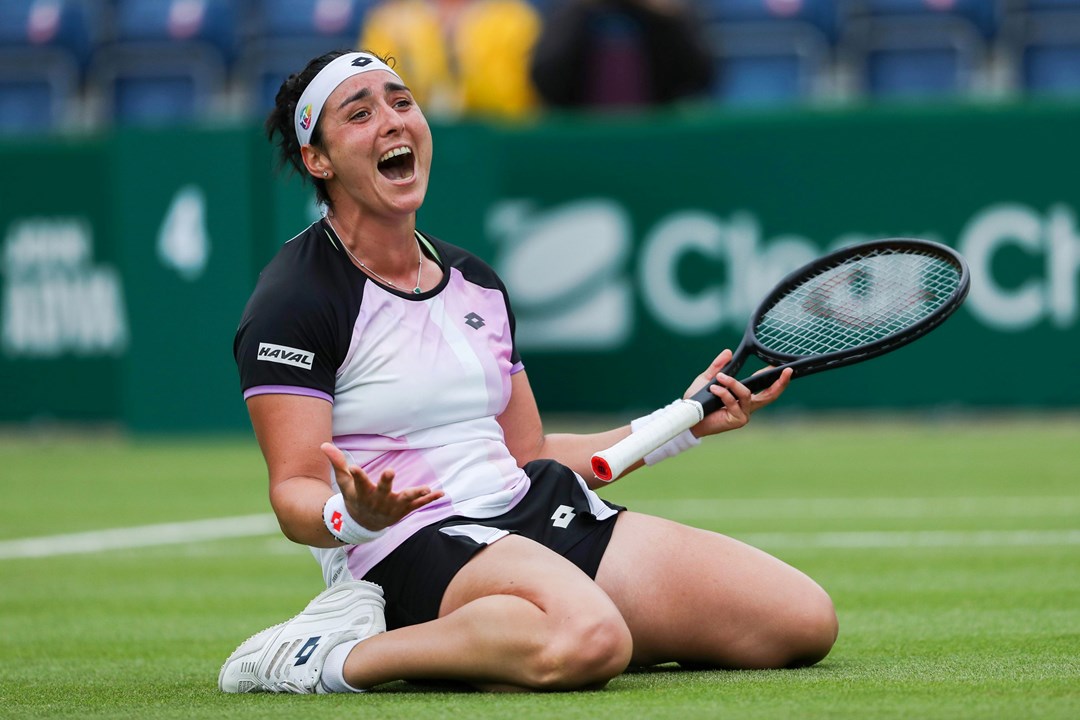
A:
(562, 517)
(286, 355)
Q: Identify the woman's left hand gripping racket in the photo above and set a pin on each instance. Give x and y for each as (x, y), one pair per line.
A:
(846, 307)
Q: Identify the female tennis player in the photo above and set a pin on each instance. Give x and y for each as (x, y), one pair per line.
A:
(404, 446)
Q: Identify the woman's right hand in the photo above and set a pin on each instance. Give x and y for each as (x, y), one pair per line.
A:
(738, 402)
(375, 505)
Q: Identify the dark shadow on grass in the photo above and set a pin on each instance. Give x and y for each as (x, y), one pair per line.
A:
(674, 671)
(683, 668)
(420, 687)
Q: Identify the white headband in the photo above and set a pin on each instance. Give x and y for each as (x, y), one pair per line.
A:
(325, 82)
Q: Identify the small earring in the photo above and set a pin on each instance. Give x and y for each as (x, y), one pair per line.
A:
(325, 174)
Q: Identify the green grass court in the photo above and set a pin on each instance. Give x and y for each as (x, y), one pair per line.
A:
(951, 549)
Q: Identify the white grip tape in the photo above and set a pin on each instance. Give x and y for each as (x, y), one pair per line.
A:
(666, 424)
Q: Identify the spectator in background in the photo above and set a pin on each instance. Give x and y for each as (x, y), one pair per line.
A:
(466, 57)
(493, 46)
(621, 53)
(414, 33)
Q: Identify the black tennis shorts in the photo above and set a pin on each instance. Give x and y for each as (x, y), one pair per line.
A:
(555, 512)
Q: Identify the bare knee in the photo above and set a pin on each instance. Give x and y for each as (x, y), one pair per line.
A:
(825, 628)
(581, 653)
(808, 632)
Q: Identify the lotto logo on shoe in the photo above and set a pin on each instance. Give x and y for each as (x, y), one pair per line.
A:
(562, 517)
(286, 355)
(336, 520)
(306, 651)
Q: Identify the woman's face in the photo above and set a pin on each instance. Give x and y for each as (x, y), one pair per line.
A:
(378, 145)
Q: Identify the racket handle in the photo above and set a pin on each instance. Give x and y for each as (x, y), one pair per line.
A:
(613, 462)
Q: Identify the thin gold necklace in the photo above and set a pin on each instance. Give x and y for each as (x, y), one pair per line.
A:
(419, 263)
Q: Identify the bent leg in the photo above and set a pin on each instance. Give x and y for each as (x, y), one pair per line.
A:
(698, 596)
(517, 616)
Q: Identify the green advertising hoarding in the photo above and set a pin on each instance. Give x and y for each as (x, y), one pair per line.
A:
(126, 263)
(63, 310)
(634, 250)
(189, 229)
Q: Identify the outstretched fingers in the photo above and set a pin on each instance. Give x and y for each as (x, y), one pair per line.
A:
(375, 505)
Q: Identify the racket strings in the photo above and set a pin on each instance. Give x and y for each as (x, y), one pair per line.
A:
(862, 300)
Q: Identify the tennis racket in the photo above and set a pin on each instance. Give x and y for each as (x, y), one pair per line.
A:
(851, 305)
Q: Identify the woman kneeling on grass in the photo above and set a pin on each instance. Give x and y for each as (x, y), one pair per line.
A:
(404, 446)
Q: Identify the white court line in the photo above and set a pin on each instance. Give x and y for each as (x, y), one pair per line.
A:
(872, 507)
(266, 525)
(858, 540)
(142, 536)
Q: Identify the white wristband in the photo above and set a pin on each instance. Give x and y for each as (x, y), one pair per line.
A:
(342, 526)
(680, 443)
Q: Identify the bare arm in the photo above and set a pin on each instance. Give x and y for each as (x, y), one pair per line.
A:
(525, 437)
(294, 433)
(527, 441)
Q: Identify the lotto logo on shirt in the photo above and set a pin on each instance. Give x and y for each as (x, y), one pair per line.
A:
(286, 355)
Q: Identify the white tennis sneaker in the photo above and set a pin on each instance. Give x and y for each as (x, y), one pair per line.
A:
(289, 657)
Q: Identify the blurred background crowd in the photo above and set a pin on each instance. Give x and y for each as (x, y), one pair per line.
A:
(76, 66)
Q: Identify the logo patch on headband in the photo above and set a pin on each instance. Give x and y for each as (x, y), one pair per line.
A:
(310, 104)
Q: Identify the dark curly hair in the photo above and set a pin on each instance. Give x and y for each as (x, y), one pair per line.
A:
(280, 120)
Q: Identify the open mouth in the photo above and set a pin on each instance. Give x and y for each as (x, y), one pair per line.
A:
(397, 164)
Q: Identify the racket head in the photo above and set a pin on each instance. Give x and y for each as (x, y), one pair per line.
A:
(859, 302)
(845, 307)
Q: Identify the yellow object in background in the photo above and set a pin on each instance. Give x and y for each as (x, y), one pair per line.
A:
(459, 57)
(411, 31)
(493, 45)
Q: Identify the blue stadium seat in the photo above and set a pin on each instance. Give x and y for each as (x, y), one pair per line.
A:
(158, 98)
(285, 34)
(1049, 48)
(181, 22)
(1051, 5)
(909, 73)
(331, 20)
(770, 52)
(31, 107)
(44, 49)
(920, 49)
(73, 26)
(168, 61)
(543, 7)
(982, 15)
(1052, 70)
(822, 15)
(761, 80)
